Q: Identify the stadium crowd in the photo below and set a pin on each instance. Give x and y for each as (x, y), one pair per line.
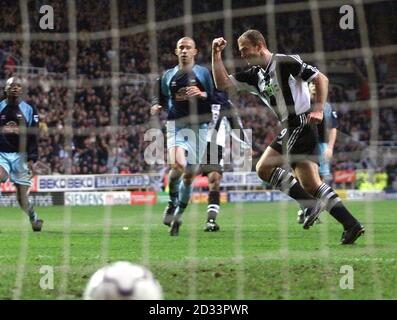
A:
(108, 137)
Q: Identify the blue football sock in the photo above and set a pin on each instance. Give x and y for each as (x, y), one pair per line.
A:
(185, 191)
(173, 184)
(31, 213)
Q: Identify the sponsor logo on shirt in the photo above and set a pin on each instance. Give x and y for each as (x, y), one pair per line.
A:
(180, 95)
(11, 127)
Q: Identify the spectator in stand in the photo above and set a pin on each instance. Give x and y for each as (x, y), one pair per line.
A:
(91, 111)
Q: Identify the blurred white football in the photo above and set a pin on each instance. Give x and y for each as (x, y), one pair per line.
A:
(123, 281)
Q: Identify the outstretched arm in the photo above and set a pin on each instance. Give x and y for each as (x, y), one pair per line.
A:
(158, 98)
(35, 165)
(221, 76)
(32, 137)
(331, 143)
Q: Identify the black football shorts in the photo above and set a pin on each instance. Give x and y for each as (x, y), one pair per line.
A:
(297, 140)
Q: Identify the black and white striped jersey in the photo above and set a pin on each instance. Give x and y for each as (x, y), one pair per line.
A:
(282, 86)
(226, 121)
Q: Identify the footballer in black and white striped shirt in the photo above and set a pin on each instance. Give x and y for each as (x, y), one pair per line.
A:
(281, 82)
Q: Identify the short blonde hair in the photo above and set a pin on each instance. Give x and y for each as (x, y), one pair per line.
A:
(254, 36)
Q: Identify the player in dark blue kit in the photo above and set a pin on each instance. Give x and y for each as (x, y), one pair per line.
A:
(327, 131)
(19, 123)
(185, 91)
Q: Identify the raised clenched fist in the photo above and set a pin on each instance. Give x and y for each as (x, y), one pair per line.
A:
(218, 44)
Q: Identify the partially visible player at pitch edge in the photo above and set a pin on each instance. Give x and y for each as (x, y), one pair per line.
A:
(280, 81)
(19, 124)
(327, 131)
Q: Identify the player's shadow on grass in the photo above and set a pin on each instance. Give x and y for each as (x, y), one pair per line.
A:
(96, 233)
(72, 233)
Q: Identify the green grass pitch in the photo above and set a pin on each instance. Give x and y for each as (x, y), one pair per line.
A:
(259, 253)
